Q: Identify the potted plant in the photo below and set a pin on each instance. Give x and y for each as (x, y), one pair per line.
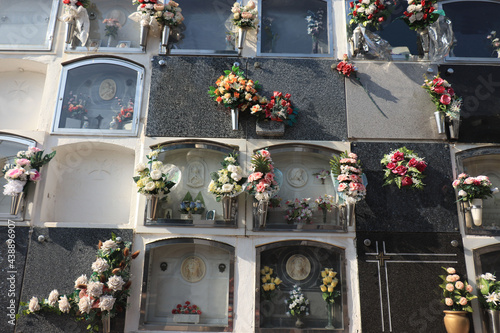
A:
(187, 313)
(168, 16)
(227, 184)
(448, 104)
(274, 115)
(329, 293)
(152, 182)
(245, 18)
(489, 298)
(404, 168)
(25, 170)
(471, 191)
(456, 296)
(298, 306)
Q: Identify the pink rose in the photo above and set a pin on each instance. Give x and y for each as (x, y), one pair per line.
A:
(462, 175)
(463, 301)
(445, 99)
(448, 301)
(391, 165)
(269, 177)
(456, 182)
(450, 270)
(469, 288)
(439, 90)
(34, 175)
(265, 153)
(450, 287)
(342, 178)
(261, 187)
(459, 285)
(34, 149)
(398, 156)
(22, 161)
(355, 178)
(352, 155)
(342, 187)
(255, 176)
(438, 81)
(14, 173)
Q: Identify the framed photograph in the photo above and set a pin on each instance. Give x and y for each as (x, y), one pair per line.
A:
(210, 215)
(123, 44)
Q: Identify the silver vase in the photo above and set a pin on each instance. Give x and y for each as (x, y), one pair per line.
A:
(439, 116)
(153, 203)
(235, 115)
(493, 321)
(16, 203)
(70, 28)
(454, 127)
(261, 213)
(106, 324)
(467, 214)
(143, 39)
(350, 214)
(228, 203)
(423, 42)
(242, 33)
(165, 34)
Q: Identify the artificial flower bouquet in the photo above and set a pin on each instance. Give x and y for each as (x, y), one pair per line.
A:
(229, 180)
(187, 308)
(245, 16)
(234, 90)
(75, 107)
(344, 67)
(443, 96)
(314, 23)
(329, 282)
(279, 108)
(150, 179)
(421, 13)
(168, 14)
(270, 282)
(489, 291)
(190, 206)
(126, 112)
(298, 304)
(469, 188)
(347, 170)
(368, 13)
(325, 203)
(26, 168)
(495, 42)
(261, 183)
(105, 293)
(404, 168)
(322, 175)
(145, 7)
(457, 294)
(300, 211)
(111, 27)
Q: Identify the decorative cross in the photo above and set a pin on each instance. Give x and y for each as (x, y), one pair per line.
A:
(381, 257)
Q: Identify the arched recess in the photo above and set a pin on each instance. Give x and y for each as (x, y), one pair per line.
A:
(89, 182)
(196, 270)
(300, 263)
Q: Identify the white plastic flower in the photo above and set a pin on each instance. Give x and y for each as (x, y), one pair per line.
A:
(64, 304)
(488, 276)
(81, 280)
(34, 306)
(53, 296)
(150, 186)
(100, 265)
(94, 289)
(85, 304)
(156, 174)
(115, 283)
(106, 303)
(109, 245)
(140, 167)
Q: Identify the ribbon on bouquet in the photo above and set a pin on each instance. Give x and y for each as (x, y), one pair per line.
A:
(147, 20)
(81, 19)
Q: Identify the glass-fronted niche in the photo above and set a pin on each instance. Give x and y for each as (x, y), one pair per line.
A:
(29, 26)
(285, 267)
(476, 27)
(207, 29)
(307, 199)
(188, 286)
(486, 162)
(111, 29)
(99, 96)
(189, 164)
(9, 147)
(295, 28)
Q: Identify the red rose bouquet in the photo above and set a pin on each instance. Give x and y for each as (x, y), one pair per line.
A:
(443, 96)
(279, 109)
(346, 68)
(404, 168)
(421, 13)
(187, 308)
(368, 13)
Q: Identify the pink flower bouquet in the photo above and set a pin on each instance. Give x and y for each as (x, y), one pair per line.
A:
(261, 183)
(347, 171)
(469, 188)
(457, 294)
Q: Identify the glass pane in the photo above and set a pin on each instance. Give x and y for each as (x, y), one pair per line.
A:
(189, 202)
(487, 165)
(299, 266)
(25, 24)
(8, 152)
(99, 96)
(297, 171)
(294, 27)
(490, 263)
(196, 273)
(205, 26)
(473, 22)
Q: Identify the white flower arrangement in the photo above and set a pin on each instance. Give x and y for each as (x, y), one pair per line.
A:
(298, 304)
(245, 16)
(229, 180)
(152, 182)
(168, 14)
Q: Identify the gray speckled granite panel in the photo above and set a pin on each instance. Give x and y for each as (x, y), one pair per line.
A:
(317, 91)
(179, 105)
(14, 273)
(403, 110)
(56, 263)
(404, 210)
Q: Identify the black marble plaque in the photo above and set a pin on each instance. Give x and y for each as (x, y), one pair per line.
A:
(13, 250)
(479, 87)
(399, 279)
(179, 105)
(387, 208)
(56, 263)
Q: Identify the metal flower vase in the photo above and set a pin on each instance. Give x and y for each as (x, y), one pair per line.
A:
(235, 115)
(261, 213)
(456, 321)
(143, 38)
(227, 208)
(492, 321)
(454, 128)
(439, 116)
(331, 315)
(242, 33)
(476, 209)
(467, 214)
(70, 29)
(299, 323)
(153, 203)
(423, 42)
(106, 324)
(16, 203)
(165, 34)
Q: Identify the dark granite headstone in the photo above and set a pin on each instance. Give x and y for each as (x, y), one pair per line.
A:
(11, 271)
(387, 208)
(179, 105)
(56, 263)
(399, 279)
(479, 87)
